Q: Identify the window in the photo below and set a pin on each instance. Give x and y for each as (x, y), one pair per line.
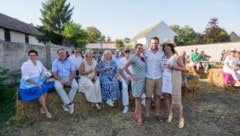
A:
(26, 38)
(7, 35)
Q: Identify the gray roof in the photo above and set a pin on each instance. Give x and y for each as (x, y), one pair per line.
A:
(17, 25)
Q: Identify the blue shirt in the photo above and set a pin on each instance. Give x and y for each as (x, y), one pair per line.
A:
(63, 68)
(153, 62)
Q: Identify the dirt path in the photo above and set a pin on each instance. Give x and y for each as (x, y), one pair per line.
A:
(214, 113)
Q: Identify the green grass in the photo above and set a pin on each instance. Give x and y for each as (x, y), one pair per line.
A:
(7, 103)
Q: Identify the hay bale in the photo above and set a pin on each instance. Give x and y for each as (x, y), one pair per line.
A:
(201, 73)
(194, 86)
(215, 77)
(31, 110)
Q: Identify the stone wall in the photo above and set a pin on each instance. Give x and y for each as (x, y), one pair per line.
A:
(214, 50)
(12, 55)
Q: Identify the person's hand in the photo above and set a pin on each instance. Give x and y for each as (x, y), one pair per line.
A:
(127, 81)
(68, 82)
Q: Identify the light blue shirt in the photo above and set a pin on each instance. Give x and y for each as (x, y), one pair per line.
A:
(63, 68)
(153, 62)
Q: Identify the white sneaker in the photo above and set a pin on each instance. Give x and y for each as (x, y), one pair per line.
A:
(71, 108)
(110, 103)
(125, 109)
(65, 108)
(48, 115)
(98, 106)
(42, 110)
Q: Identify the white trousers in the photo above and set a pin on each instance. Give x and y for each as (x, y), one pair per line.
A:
(66, 98)
(125, 95)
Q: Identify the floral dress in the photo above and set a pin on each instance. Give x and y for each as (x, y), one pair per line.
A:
(109, 87)
(139, 69)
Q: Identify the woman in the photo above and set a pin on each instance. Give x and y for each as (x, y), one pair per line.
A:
(138, 79)
(232, 66)
(108, 73)
(172, 80)
(89, 82)
(184, 73)
(32, 85)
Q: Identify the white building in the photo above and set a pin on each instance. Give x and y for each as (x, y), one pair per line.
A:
(14, 30)
(160, 30)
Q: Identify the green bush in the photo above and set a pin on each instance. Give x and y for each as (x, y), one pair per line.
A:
(7, 97)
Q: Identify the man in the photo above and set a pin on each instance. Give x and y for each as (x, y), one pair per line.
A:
(125, 79)
(64, 73)
(195, 61)
(153, 57)
(76, 59)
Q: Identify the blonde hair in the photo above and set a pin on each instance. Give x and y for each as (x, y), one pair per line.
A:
(86, 52)
(104, 53)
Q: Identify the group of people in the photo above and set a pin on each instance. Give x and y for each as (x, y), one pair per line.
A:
(155, 72)
(232, 65)
(199, 60)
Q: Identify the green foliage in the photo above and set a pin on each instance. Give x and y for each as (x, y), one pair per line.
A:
(49, 36)
(186, 35)
(127, 40)
(215, 34)
(94, 35)
(7, 97)
(129, 46)
(55, 13)
(119, 44)
(74, 33)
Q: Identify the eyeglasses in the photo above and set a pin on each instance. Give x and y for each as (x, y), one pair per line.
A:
(32, 55)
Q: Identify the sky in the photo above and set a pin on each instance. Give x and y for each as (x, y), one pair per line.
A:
(125, 18)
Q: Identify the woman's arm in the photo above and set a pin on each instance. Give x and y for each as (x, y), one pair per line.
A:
(82, 70)
(180, 66)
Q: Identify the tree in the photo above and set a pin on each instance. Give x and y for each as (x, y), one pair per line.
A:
(75, 34)
(55, 13)
(109, 39)
(127, 40)
(215, 34)
(186, 35)
(119, 43)
(94, 35)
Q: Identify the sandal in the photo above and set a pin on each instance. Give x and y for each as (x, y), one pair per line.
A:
(170, 117)
(181, 123)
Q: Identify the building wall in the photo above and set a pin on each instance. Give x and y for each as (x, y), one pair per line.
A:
(17, 37)
(214, 50)
(33, 40)
(142, 41)
(162, 32)
(14, 54)
(2, 34)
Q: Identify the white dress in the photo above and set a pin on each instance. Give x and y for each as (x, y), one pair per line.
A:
(91, 89)
(167, 76)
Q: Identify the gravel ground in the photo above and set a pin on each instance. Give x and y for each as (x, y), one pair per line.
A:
(214, 113)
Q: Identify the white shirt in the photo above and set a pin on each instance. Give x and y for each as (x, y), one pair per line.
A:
(153, 62)
(122, 63)
(29, 70)
(76, 60)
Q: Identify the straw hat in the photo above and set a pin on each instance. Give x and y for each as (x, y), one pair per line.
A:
(233, 49)
(168, 42)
